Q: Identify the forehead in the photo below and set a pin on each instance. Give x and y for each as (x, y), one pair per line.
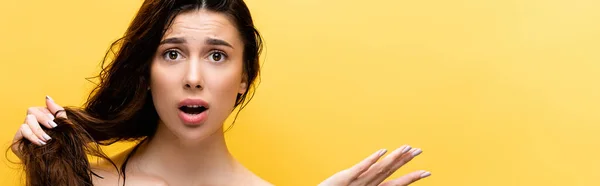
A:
(201, 24)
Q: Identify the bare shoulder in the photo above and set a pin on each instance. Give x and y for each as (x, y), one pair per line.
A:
(111, 177)
(109, 174)
(254, 180)
(262, 182)
(105, 176)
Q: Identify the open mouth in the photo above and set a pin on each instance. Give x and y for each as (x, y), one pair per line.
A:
(192, 109)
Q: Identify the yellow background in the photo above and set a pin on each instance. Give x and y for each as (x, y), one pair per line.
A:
(498, 92)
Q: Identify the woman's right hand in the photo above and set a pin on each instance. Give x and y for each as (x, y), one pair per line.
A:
(371, 172)
(32, 130)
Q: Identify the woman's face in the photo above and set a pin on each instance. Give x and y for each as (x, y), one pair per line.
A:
(196, 74)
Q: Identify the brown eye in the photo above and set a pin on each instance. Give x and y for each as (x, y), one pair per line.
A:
(172, 55)
(217, 57)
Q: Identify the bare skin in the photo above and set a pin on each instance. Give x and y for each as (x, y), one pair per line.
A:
(369, 172)
(201, 57)
(135, 177)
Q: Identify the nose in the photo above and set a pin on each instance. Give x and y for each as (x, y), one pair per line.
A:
(193, 78)
(190, 86)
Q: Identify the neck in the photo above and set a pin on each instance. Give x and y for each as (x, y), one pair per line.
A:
(206, 161)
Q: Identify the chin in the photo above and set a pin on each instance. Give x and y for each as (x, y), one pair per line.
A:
(196, 133)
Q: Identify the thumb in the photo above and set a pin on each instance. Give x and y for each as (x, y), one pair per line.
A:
(54, 108)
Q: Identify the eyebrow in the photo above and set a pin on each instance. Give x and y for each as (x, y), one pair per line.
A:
(213, 41)
(173, 40)
(209, 41)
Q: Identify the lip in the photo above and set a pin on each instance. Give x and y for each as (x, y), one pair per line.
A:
(190, 101)
(193, 119)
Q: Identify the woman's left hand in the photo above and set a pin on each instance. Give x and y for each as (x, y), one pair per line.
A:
(371, 172)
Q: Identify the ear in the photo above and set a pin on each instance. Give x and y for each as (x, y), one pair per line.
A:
(243, 84)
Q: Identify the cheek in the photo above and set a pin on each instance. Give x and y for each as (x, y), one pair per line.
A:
(162, 87)
(224, 87)
(160, 79)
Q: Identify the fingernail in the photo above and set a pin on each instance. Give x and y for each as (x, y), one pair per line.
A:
(406, 149)
(49, 98)
(52, 123)
(46, 137)
(51, 116)
(416, 152)
(42, 142)
(381, 152)
(425, 174)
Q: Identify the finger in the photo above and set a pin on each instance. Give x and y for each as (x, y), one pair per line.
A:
(35, 127)
(364, 165)
(405, 158)
(29, 135)
(53, 107)
(15, 146)
(46, 111)
(408, 179)
(43, 116)
(381, 168)
(18, 135)
(348, 175)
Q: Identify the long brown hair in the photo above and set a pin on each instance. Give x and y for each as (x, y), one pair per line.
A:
(121, 107)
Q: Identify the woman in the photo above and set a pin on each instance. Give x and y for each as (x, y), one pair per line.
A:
(179, 71)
